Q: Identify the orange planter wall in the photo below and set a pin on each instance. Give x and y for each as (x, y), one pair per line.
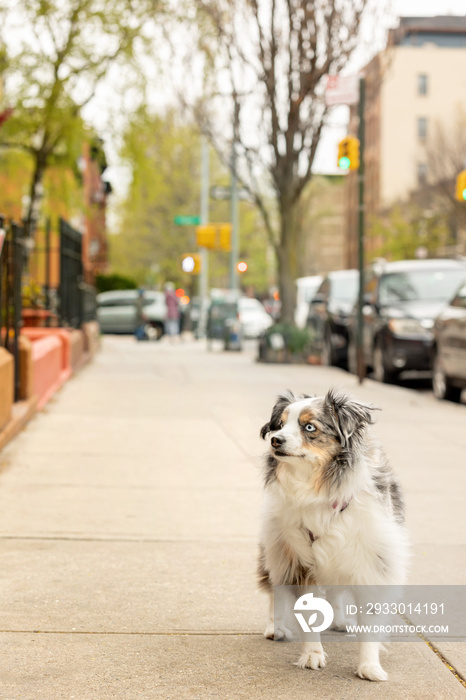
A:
(51, 359)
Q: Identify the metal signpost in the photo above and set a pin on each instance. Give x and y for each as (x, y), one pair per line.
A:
(350, 90)
(204, 219)
(361, 135)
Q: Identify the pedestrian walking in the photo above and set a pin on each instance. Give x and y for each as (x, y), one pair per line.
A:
(140, 331)
(172, 325)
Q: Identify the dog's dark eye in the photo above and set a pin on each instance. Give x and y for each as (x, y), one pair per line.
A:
(309, 428)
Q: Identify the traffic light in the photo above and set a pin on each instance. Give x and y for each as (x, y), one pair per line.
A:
(214, 236)
(191, 263)
(461, 186)
(348, 153)
(242, 266)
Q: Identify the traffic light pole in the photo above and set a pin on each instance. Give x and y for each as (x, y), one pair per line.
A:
(234, 206)
(361, 368)
(204, 276)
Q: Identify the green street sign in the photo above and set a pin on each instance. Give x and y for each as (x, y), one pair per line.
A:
(187, 220)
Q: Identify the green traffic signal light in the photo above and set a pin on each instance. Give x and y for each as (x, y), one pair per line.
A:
(464, 194)
(344, 163)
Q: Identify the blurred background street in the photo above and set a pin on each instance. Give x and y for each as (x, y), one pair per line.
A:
(203, 204)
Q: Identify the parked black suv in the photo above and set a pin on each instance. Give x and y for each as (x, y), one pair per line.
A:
(401, 301)
(329, 315)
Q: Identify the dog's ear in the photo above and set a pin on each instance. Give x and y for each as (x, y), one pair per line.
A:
(347, 415)
(283, 400)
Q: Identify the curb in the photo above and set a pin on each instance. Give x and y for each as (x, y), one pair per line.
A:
(21, 413)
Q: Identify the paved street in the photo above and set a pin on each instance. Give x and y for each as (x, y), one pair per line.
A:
(129, 512)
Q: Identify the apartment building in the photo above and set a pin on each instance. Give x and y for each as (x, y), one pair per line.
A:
(323, 222)
(415, 84)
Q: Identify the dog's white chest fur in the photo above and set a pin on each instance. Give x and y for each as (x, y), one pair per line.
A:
(339, 542)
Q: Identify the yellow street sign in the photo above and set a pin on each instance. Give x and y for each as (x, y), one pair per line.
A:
(214, 236)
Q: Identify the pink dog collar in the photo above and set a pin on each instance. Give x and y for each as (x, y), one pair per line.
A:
(335, 504)
(344, 505)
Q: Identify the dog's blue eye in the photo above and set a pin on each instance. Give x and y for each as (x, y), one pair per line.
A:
(309, 428)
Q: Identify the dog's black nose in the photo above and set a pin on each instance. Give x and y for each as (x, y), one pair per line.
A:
(276, 441)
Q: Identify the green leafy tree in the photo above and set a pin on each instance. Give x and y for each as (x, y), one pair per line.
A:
(408, 231)
(163, 155)
(63, 50)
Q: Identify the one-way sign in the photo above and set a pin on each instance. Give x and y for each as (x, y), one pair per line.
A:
(221, 192)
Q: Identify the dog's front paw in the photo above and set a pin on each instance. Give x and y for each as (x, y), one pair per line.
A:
(278, 632)
(372, 672)
(314, 659)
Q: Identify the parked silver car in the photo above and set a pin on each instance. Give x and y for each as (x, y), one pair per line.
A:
(116, 311)
(253, 317)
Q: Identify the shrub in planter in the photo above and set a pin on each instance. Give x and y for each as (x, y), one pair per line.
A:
(110, 283)
(285, 342)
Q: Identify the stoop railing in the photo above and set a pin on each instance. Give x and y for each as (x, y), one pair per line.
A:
(77, 300)
(11, 267)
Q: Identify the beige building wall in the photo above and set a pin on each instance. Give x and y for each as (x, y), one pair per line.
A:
(401, 149)
(324, 226)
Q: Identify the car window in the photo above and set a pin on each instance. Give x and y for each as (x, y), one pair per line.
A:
(344, 288)
(147, 301)
(324, 288)
(460, 298)
(310, 292)
(249, 305)
(117, 301)
(223, 311)
(419, 285)
(152, 297)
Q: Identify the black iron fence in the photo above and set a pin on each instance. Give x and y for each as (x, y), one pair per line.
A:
(56, 269)
(53, 282)
(77, 300)
(71, 276)
(11, 266)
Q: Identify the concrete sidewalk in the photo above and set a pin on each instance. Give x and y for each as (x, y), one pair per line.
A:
(129, 514)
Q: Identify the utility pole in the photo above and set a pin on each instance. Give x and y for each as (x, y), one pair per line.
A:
(204, 276)
(360, 319)
(234, 204)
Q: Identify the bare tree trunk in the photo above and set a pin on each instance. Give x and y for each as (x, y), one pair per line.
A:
(289, 253)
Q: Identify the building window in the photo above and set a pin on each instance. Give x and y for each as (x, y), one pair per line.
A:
(421, 174)
(422, 84)
(422, 128)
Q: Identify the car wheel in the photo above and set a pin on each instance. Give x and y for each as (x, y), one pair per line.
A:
(443, 390)
(379, 370)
